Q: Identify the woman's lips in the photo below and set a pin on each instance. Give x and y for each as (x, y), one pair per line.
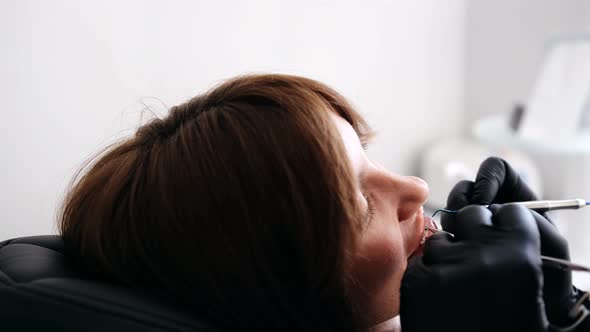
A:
(429, 222)
(423, 233)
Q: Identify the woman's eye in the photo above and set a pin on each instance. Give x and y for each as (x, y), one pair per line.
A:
(370, 208)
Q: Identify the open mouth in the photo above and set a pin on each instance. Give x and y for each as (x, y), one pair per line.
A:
(429, 228)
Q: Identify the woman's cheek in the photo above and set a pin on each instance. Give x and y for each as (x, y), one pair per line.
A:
(410, 241)
(380, 259)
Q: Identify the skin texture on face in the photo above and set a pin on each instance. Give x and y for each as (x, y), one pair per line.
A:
(392, 229)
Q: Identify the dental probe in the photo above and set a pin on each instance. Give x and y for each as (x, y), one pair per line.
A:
(563, 264)
(548, 261)
(549, 205)
(540, 206)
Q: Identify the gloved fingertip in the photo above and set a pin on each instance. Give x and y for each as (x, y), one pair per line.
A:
(553, 243)
(484, 191)
(490, 177)
(446, 220)
(514, 216)
(460, 195)
(465, 222)
(436, 241)
(493, 161)
(494, 208)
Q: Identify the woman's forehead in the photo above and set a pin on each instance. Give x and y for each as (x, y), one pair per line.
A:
(351, 141)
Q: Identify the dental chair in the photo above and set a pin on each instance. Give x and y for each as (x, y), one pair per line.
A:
(42, 290)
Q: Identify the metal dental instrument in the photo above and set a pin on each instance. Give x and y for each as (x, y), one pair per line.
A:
(563, 264)
(434, 230)
(548, 261)
(548, 205)
(541, 206)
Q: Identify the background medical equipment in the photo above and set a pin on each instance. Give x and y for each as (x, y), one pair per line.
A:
(449, 161)
(553, 127)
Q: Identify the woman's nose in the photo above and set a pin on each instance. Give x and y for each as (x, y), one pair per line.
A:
(413, 193)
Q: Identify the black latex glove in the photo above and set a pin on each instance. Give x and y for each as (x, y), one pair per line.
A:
(487, 278)
(497, 182)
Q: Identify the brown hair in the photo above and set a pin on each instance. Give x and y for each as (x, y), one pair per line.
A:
(239, 204)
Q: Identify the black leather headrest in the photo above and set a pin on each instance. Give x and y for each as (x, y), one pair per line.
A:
(40, 289)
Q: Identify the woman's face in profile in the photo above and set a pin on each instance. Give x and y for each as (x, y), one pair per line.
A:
(393, 228)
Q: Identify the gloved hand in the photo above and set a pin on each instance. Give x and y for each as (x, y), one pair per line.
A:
(497, 182)
(487, 278)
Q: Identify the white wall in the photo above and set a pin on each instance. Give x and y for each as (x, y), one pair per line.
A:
(73, 72)
(505, 41)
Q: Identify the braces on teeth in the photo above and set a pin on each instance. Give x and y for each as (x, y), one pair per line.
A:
(424, 235)
(426, 229)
